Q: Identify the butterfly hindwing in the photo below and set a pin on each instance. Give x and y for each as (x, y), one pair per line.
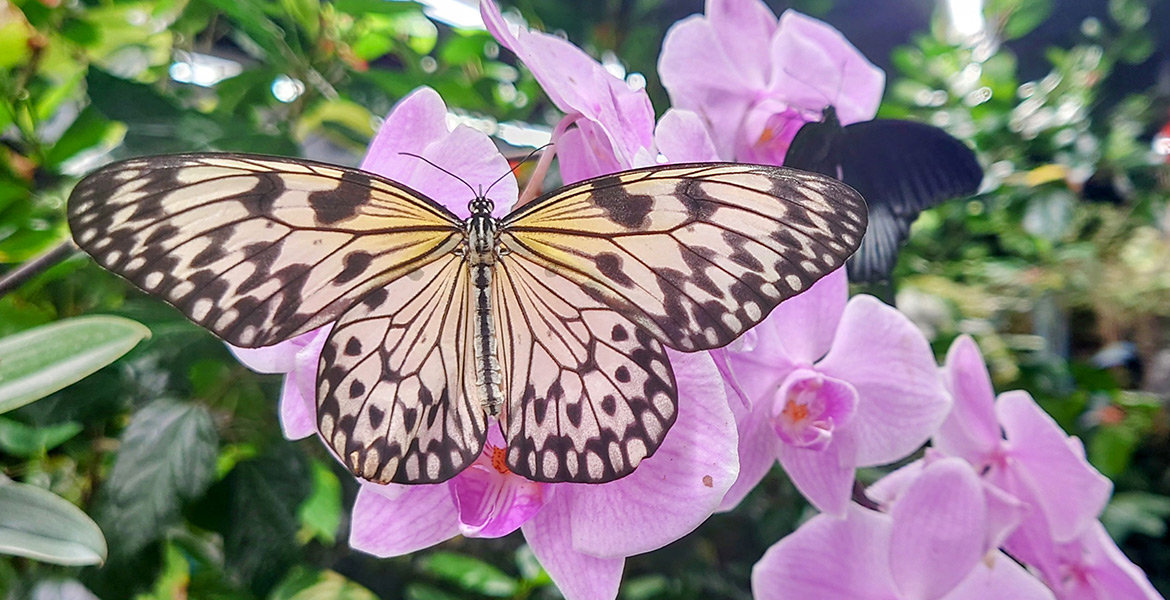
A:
(396, 382)
(590, 392)
(900, 167)
(257, 249)
(694, 254)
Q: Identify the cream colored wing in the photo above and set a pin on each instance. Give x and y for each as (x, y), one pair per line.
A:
(257, 249)
(396, 382)
(694, 254)
(590, 393)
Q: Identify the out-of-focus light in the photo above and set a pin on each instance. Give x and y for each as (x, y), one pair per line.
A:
(1161, 144)
(202, 69)
(611, 63)
(286, 89)
(463, 14)
(523, 134)
(966, 17)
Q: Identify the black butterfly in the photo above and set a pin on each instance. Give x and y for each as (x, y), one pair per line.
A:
(900, 167)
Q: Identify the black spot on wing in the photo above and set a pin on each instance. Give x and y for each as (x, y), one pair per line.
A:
(333, 206)
(610, 265)
(355, 264)
(620, 206)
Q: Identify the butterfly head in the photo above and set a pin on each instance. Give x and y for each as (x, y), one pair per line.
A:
(481, 206)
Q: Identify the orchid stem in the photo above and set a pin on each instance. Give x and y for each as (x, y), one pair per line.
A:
(35, 266)
(536, 181)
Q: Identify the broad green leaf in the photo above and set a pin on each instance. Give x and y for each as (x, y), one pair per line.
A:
(168, 454)
(470, 573)
(320, 515)
(302, 584)
(37, 524)
(27, 441)
(40, 361)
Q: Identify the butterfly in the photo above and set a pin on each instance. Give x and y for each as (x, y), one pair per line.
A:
(554, 318)
(900, 167)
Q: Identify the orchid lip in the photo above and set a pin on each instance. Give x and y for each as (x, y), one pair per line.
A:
(491, 500)
(809, 406)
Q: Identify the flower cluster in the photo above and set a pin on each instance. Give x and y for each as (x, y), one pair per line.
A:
(825, 385)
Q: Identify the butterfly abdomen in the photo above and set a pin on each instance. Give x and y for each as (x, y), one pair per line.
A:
(481, 241)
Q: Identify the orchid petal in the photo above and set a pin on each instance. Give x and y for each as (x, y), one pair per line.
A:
(885, 357)
(829, 559)
(577, 84)
(999, 576)
(579, 576)
(298, 397)
(418, 124)
(743, 27)
(701, 76)
(824, 477)
(758, 449)
(277, 358)
(583, 153)
(814, 66)
(682, 137)
(1110, 574)
(416, 517)
(1069, 491)
(939, 523)
(970, 431)
(697, 461)
(805, 324)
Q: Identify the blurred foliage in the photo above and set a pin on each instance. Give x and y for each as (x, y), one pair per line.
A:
(176, 452)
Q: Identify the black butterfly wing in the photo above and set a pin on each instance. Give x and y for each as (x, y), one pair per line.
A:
(900, 167)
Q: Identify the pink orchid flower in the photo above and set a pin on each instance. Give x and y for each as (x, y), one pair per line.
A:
(580, 533)
(755, 80)
(833, 386)
(1021, 450)
(928, 546)
(614, 122)
(1032, 459)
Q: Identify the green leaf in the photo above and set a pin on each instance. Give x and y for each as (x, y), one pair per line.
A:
(302, 584)
(261, 524)
(40, 361)
(26, 441)
(1025, 16)
(470, 573)
(89, 129)
(1139, 512)
(360, 8)
(320, 515)
(37, 524)
(174, 578)
(168, 454)
(422, 591)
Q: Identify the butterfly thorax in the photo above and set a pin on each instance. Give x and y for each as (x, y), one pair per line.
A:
(481, 248)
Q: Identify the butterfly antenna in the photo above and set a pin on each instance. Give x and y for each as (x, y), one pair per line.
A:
(428, 161)
(512, 171)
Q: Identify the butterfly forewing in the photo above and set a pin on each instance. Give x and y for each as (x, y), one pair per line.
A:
(694, 254)
(396, 394)
(591, 393)
(256, 249)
